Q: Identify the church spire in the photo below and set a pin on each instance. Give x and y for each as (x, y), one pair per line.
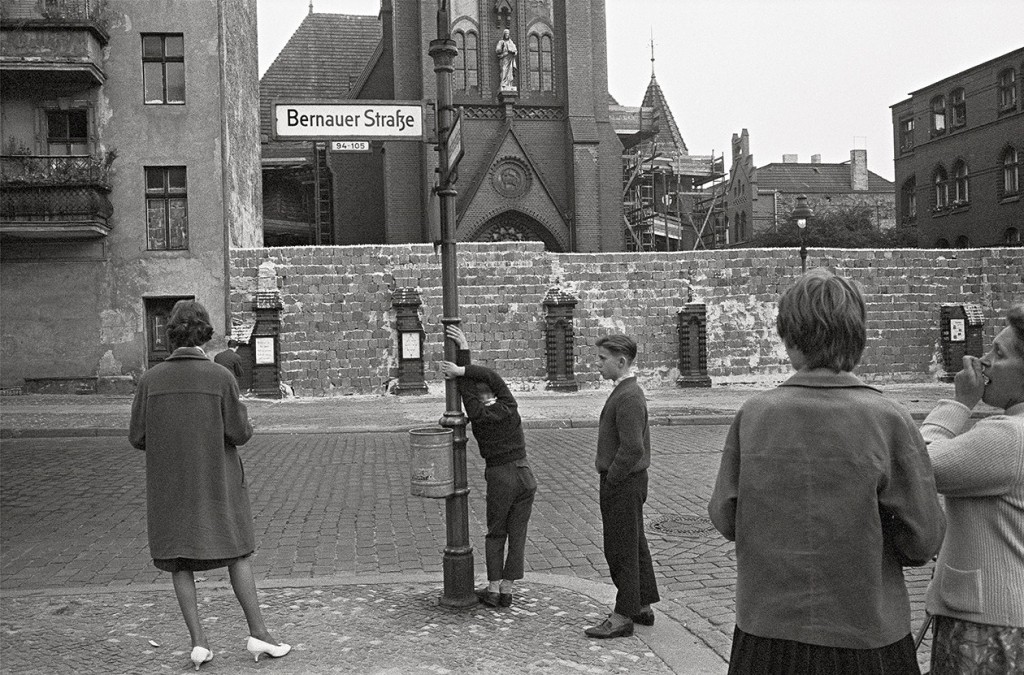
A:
(310, 6)
(652, 52)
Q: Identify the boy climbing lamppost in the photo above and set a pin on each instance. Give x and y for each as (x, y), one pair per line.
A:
(457, 565)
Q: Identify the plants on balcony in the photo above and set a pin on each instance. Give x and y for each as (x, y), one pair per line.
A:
(24, 169)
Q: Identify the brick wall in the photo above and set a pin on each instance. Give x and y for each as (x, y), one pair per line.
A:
(338, 332)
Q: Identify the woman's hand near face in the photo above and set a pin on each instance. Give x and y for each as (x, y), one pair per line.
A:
(969, 383)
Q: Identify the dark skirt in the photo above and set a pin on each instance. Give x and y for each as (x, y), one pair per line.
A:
(769, 656)
(193, 565)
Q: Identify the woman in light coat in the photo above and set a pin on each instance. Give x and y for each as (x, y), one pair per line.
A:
(188, 419)
(977, 593)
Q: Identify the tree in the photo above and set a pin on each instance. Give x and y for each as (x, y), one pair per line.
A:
(836, 228)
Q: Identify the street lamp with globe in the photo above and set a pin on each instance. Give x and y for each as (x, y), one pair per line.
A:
(800, 215)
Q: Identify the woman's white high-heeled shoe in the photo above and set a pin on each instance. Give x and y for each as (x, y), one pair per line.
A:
(258, 647)
(200, 655)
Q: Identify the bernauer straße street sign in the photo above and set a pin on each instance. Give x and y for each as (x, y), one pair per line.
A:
(353, 120)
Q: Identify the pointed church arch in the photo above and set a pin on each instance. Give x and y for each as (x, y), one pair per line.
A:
(514, 225)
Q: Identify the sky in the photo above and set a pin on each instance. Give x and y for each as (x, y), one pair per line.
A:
(803, 77)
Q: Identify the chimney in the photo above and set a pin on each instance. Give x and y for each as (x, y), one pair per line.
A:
(859, 169)
(815, 159)
(790, 159)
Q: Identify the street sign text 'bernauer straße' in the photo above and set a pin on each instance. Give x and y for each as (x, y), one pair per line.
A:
(374, 120)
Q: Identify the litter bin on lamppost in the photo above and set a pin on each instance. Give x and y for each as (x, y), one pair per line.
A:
(801, 214)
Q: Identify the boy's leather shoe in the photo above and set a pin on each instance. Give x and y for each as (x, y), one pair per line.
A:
(645, 618)
(606, 630)
(505, 599)
(488, 598)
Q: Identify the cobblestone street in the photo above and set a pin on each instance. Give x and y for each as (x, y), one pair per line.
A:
(339, 504)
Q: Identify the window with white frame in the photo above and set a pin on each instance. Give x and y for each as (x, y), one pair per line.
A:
(941, 181)
(1011, 172)
(67, 132)
(961, 187)
(907, 134)
(1007, 89)
(958, 101)
(939, 115)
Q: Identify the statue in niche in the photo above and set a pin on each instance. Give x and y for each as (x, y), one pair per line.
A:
(506, 51)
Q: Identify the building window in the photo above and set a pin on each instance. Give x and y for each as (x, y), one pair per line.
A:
(1011, 237)
(942, 243)
(958, 101)
(1007, 90)
(163, 68)
(466, 72)
(963, 242)
(907, 135)
(939, 115)
(961, 193)
(166, 208)
(67, 132)
(908, 199)
(1011, 173)
(540, 62)
(941, 181)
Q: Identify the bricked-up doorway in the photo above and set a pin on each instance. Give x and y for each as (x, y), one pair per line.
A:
(158, 311)
(517, 226)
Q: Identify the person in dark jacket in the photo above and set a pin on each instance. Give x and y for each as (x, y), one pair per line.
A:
(826, 488)
(230, 359)
(623, 456)
(188, 419)
(511, 486)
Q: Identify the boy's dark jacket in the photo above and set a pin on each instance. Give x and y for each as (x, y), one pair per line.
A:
(497, 427)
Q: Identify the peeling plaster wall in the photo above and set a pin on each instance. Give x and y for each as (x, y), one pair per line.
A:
(338, 333)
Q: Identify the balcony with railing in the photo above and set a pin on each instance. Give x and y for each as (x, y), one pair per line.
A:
(58, 41)
(45, 197)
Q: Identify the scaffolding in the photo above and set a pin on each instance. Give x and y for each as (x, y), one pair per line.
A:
(671, 203)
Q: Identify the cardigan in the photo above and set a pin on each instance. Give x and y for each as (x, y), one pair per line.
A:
(980, 572)
(188, 419)
(623, 435)
(826, 488)
(497, 427)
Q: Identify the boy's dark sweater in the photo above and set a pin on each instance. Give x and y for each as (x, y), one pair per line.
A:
(497, 427)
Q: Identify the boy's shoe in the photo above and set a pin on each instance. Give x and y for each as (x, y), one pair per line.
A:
(488, 598)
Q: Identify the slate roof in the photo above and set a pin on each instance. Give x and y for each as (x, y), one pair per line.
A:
(670, 141)
(323, 59)
(815, 178)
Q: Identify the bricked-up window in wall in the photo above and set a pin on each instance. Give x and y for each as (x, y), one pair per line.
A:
(466, 69)
(961, 187)
(907, 135)
(1011, 172)
(942, 243)
(1012, 237)
(67, 132)
(1007, 90)
(958, 100)
(963, 242)
(541, 68)
(941, 180)
(908, 199)
(166, 208)
(163, 68)
(939, 115)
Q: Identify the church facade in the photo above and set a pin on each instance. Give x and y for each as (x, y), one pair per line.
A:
(538, 146)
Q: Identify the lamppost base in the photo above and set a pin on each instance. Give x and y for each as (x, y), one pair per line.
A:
(457, 567)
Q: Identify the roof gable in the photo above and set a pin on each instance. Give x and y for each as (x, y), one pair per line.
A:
(324, 58)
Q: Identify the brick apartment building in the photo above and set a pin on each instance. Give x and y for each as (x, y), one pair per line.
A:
(130, 158)
(535, 159)
(760, 198)
(959, 149)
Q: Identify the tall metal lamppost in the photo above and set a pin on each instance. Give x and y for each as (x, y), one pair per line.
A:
(801, 214)
(457, 564)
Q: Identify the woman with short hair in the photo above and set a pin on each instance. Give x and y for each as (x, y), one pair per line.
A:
(188, 419)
